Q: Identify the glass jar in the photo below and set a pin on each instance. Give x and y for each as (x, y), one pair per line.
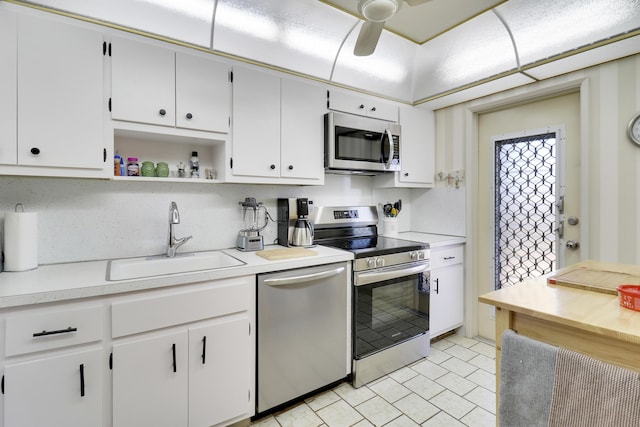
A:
(148, 169)
(162, 170)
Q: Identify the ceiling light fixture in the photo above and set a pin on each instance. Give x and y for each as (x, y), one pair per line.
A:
(378, 10)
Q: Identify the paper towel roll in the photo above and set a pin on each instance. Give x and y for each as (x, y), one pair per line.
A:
(20, 241)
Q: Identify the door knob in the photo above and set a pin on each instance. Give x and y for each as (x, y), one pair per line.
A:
(572, 244)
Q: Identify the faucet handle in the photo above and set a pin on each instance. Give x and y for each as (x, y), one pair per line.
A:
(174, 214)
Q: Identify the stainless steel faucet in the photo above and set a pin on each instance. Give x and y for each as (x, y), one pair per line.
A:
(174, 244)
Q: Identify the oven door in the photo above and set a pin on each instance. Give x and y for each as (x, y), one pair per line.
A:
(389, 306)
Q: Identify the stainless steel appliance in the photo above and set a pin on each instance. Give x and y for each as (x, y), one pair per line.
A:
(295, 228)
(355, 144)
(390, 305)
(254, 218)
(303, 337)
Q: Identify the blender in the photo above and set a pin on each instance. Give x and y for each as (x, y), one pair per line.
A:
(255, 219)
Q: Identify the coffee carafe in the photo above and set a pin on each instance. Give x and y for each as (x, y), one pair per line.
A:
(295, 228)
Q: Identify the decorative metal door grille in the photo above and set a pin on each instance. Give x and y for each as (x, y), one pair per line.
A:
(525, 181)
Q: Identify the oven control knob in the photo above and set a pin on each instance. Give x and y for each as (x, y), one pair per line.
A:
(420, 255)
(371, 263)
(379, 262)
(413, 256)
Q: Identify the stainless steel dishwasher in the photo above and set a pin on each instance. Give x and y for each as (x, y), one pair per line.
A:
(303, 332)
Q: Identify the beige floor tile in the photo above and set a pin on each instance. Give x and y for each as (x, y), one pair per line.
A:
(402, 421)
(485, 349)
(378, 411)
(430, 369)
(416, 408)
(484, 379)
(478, 417)
(456, 383)
(390, 390)
(461, 352)
(458, 366)
(442, 419)
(363, 423)
(462, 340)
(319, 401)
(438, 356)
(403, 374)
(299, 416)
(452, 404)
(424, 387)
(339, 414)
(442, 344)
(354, 396)
(483, 398)
(484, 362)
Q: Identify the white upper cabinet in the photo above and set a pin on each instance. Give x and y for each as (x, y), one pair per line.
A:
(142, 83)
(277, 129)
(8, 87)
(60, 95)
(302, 127)
(155, 85)
(362, 106)
(256, 123)
(417, 151)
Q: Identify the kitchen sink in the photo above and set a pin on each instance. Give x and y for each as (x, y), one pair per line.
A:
(133, 268)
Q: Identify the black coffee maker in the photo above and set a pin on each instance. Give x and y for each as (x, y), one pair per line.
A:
(295, 228)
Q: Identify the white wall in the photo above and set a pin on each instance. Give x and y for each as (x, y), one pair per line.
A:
(86, 219)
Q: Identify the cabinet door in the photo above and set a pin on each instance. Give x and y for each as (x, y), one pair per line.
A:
(256, 123)
(383, 111)
(203, 93)
(354, 104)
(218, 372)
(302, 140)
(58, 391)
(417, 149)
(447, 299)
(150, 381)
(142, 83)
(60, 94)
(8, 87)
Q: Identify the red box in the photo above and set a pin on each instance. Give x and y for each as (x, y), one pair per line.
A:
(629, 296)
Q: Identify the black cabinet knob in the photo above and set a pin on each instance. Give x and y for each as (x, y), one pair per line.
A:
(290, 167)
(189, 116)
(361, 106)
(272, 167)
(373, 109)
(35, 151)
(162, 112)
(406, 174)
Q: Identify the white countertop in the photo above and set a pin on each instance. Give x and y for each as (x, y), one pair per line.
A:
(59, 282)
(434, 240)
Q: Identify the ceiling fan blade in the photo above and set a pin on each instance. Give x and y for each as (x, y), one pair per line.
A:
(368, 38)
(415, 2)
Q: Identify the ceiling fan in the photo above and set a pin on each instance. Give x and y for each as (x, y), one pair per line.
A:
(376, 12)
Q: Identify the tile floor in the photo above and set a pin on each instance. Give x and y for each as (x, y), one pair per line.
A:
(454, 386)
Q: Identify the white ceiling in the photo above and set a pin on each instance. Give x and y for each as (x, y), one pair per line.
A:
(425, 21)
(429, 52)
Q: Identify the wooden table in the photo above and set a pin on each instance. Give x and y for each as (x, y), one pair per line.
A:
(585, 321)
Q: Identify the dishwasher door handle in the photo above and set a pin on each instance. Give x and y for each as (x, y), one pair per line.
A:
(291, 280)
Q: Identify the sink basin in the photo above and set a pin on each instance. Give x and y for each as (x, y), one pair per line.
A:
(133, 268)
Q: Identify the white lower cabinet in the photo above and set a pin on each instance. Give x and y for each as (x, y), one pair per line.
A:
(64, 390)
(446, 307)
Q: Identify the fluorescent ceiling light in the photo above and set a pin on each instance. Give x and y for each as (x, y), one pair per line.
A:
(199, 9)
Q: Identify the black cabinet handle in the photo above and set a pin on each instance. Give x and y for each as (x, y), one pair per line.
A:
(82, 380)
(162, 112)
(272, 167)
(290, 167)
(437, 284)
(173, 349)
(35, 151)
(59, 331)
(189, 116)
(204, 349)
(447, 258)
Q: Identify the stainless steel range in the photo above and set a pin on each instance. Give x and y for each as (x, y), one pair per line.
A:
(390, 314)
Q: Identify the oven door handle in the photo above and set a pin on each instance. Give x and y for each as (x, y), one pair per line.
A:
(293, 280)
(368, 277)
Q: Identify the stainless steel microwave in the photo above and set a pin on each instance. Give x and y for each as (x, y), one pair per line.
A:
(355, 144)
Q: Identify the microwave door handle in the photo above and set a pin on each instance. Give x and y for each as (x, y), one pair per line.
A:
(387, 164)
